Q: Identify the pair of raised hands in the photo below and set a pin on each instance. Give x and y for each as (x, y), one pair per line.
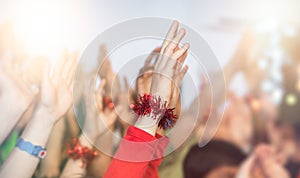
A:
(53, 93)
(163, 76)
(54, 98)
(263, 162)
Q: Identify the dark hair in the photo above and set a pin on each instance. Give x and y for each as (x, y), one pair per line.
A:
(200, 161)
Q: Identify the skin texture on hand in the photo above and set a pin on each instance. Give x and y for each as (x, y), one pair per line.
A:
(105, 71)
(98, 118)
(12, 88)
(166, 70)
(125, 114)
(237, 123)
(263, 162)
(167, 61)
(56, 98)
(50, 165)
(56, 94)
(98, 121)
(143, 83)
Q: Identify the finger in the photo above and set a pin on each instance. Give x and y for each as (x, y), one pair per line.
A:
(101, 86)
(70, 70)
(157, 51)
(176, 48)
(46, 79)
(183, 72)
(171, 64)
(71, 73)
(146, 69)
(181, 51)
(174, 43)
(68, 65)
(183, 57)
(170, 35)
(171, 48)
(99, 94)
(102, 52)
(153, 55)
(126, 83)
(149, 58)
(57, 73)
(179, 76)
(177, 68)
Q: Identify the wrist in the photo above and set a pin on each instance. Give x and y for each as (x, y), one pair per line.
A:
(164, 92)
(147, 124)
(88, 136)
(39, 128)
(51, 114)
(152, 111)
(85, 142)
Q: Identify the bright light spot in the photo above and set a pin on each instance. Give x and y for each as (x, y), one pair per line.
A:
(291, 99)
(276, 96)
(46, 26)
(269, 25)
(289, 31)
(263, 64)
(255, 104)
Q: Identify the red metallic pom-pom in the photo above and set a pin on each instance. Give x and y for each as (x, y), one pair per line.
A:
(107, 102)
(148, 103)
(168, 120)
(77, 151)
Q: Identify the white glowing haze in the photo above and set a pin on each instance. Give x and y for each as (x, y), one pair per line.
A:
(46, 27)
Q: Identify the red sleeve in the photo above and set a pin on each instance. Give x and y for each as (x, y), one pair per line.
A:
(152, 170)
(134, 154)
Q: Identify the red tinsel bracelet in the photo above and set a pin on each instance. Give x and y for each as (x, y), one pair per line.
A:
(107, 102)
(77, 151)
(149, 103)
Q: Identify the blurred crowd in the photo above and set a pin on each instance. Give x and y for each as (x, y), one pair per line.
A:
(256, 137)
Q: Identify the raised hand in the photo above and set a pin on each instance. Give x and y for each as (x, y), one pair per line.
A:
(107, 114)
(126, 116)
(143, 83)
(237, 123)
(106, 72)
(56, 98)
(269, 162)
(13, 89)
(56, 94)
(105, 69)
(177, 79)
(263, 162)
(247, 56)
(164, 69)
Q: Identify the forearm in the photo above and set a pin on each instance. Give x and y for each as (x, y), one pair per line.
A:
(37, 132)
(99, 165)
(147, 124)
(10, 116)
(76, 168)
(50, 165)
(72, 169)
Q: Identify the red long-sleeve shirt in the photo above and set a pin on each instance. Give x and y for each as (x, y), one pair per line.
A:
(138, 155)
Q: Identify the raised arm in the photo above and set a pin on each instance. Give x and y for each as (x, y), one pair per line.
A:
(139, 145)
(56, 98)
